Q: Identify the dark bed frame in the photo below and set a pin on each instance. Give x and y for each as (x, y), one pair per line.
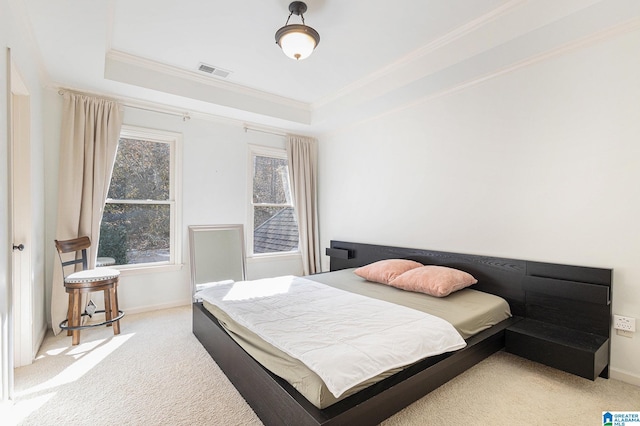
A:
(561, 317)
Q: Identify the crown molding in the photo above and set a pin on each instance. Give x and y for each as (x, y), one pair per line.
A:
(426, 50)
(153, 66)
(494, 27)
(125, 68)
(589, 40)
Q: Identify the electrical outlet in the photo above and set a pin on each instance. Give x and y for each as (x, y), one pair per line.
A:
(624, 323)
(623, 333)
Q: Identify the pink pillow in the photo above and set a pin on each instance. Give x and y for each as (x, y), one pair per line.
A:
(438, 281)
(384, 271)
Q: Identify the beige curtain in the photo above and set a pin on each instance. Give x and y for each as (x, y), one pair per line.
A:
(88, 144)
(303, 165)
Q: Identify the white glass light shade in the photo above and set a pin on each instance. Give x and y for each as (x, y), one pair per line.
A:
(297, 41)
(297, 45)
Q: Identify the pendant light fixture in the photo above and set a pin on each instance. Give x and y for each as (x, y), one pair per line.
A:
(297, 41)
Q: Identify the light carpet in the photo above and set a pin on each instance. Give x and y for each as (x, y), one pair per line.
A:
(157, 373)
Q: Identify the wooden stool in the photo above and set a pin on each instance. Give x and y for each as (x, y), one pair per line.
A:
(87, 281)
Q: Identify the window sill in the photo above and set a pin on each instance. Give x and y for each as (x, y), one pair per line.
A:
(146, 269)
(266, 257)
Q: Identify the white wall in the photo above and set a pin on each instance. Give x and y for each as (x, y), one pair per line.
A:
(542, 163)
(215, 158)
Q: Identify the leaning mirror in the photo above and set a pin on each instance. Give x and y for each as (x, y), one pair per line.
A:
(216, 254)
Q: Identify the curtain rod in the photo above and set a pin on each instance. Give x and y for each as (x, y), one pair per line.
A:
(271, 132)
(185, 115)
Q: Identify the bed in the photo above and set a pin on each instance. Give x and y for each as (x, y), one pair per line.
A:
(529, 291)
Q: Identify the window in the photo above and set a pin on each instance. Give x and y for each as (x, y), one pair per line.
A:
(275, 229)
(139, 219)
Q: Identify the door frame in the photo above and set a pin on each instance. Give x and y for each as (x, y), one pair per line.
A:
(6, 319)
(21, 219)
(16, 323)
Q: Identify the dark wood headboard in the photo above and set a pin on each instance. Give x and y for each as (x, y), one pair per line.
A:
(563, 296)
(510, 279)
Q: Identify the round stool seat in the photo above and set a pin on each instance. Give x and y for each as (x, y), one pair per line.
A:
(105, 261)
(91, 275)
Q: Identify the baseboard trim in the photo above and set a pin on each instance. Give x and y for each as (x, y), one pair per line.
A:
(625, 376)
(149, 308)
(40, 338)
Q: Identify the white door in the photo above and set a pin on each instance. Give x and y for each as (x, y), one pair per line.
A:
(20, 187)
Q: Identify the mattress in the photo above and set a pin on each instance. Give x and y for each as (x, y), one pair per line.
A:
(469, 311)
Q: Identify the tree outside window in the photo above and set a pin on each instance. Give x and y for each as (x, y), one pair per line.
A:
(137, 222)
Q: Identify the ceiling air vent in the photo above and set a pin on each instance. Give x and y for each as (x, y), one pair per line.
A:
(210, 69)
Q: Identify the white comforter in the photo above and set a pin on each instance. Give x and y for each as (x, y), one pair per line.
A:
(343, 337)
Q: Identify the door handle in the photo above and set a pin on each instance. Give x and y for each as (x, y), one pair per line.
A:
(19, 247)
